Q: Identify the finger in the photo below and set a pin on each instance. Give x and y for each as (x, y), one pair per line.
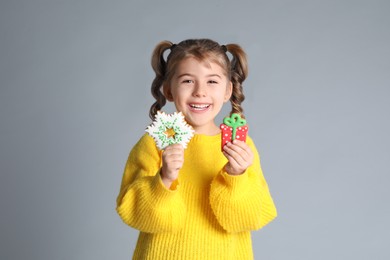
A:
(238, 157)
(174, 147)
(170, 167)
(241, 147)
(235, 163)
(243, 150)
(174, 166)
(232, 167)
(172, 161)
(235, 152)
(173, 155)
(174, 150)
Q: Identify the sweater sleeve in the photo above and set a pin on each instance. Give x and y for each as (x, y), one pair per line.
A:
(243, 202)
(144, 202)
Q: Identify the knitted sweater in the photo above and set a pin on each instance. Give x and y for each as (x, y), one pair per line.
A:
(206, 214)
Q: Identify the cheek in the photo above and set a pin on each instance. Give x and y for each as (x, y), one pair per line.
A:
(180, 93)
(178, 99)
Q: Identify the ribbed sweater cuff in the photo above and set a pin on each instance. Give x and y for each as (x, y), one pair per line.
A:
(160, 192)
(235, 181)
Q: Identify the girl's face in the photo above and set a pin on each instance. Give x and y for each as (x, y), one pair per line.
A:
(199, 91)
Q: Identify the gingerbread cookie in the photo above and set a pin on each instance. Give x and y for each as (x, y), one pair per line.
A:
(233, 127)
(168, 129)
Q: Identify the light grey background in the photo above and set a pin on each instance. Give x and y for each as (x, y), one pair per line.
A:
(74, 98)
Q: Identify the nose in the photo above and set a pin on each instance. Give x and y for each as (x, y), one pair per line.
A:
(199, 90)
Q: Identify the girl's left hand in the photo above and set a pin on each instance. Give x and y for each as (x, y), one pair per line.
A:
(240, 157)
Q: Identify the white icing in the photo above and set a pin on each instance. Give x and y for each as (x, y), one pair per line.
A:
(163, 122)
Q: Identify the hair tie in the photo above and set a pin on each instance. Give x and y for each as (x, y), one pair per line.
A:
(173, 46)
(224, 48)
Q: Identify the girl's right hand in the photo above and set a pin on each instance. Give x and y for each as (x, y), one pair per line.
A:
(172, 161)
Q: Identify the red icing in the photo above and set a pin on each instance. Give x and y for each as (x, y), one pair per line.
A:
(227, 131)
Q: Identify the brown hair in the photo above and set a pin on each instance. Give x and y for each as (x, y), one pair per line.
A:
(203, 50)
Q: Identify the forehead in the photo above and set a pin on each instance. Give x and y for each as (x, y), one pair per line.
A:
(192, 64)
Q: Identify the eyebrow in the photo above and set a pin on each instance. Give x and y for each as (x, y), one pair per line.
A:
(191, 75)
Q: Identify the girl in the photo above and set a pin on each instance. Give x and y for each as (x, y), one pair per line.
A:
(197, 203)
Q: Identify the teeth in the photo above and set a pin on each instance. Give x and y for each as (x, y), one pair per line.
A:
(196, 106)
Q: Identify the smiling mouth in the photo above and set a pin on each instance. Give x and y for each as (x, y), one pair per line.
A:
(199, 106)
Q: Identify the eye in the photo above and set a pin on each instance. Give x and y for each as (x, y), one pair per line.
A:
(212, 82)
(187, 81)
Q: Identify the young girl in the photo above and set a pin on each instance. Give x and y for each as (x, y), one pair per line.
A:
(198, 202)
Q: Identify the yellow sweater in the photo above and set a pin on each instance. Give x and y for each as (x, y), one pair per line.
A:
(207, 215)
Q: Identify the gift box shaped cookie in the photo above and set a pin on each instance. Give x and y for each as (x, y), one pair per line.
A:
(233, 127)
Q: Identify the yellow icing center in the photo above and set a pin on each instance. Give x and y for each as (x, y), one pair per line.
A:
(170, 133)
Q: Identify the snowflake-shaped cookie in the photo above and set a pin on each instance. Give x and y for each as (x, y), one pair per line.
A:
(168, 129)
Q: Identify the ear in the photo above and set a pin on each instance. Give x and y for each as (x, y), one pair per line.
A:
(229, 91)
(167, 92)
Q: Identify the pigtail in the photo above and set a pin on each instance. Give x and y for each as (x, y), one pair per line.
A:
(239, 72)
(159, 67)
